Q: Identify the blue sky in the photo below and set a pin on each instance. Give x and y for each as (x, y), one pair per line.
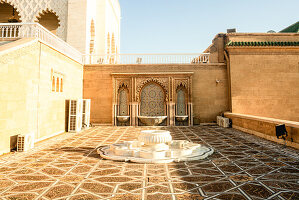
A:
(188, 26)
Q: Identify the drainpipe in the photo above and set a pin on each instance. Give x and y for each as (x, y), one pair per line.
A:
(228, 80)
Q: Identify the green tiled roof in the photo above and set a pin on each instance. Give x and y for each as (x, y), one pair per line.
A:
(294, 28)
(230, 43)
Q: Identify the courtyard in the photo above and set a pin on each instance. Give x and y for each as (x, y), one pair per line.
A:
(68, 167)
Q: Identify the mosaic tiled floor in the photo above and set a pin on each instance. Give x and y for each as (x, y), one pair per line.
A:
(67, 167)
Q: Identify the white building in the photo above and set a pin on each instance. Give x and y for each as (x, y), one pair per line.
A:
(91, 26)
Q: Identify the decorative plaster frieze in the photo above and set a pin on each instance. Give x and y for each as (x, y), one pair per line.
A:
(30, 10)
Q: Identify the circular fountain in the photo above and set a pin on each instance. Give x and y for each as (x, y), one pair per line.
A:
(155, 146)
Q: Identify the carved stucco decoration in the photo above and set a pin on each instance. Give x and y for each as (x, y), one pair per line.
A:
(181, 83)
(123, 84)
(141, 82)
(29, 10)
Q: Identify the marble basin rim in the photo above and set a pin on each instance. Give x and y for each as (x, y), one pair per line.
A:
(181, 118)
(153, 137)
(152, 120)
(123, 119)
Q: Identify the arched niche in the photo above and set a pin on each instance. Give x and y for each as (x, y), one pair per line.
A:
(123, 101)
(108, 43)
(181, 101)
(8, 13)
(92, 37)
(49, 20)
(152, 100)
(113, 47)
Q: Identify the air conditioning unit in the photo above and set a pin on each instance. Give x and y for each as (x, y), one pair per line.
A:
(25, 142)
(223, 121)
(75, 115)
(86, 113)
(219, 120)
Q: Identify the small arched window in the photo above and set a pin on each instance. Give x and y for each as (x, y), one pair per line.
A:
(49, 20)
(108, 44)
(113, 47)
(61, 85)
(57, 84)
(8, 13)
(53, 83)
(92, 37)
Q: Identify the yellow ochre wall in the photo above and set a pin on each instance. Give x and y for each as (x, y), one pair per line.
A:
(265, 81)
(27, 104)
(209, 98)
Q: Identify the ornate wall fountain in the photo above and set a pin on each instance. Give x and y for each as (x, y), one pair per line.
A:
(152, 99)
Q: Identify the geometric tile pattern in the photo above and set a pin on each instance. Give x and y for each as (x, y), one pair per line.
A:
(181, 102)
(152, 100)
(68, 167)
(123, 102)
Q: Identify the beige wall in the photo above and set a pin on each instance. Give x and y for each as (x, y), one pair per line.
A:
(27, 103)
(18, 99)
(265, 81)
(209, 98)
(52, 104)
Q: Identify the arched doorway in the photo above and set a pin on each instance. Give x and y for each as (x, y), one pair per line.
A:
(152, 100)
(49, 20)
(8, 13)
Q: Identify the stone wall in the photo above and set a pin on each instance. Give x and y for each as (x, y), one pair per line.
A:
(264, 81)
(52, 104)
(209, 98)
(27, 103)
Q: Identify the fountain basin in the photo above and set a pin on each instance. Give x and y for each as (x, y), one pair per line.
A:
(152, 120)
(155, 146)
(182, 118)
(123, 119)
(152, 137)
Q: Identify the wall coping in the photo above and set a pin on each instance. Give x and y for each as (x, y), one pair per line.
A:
(163, 64)
(264, 119)
(24, 42)
(152, 73)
